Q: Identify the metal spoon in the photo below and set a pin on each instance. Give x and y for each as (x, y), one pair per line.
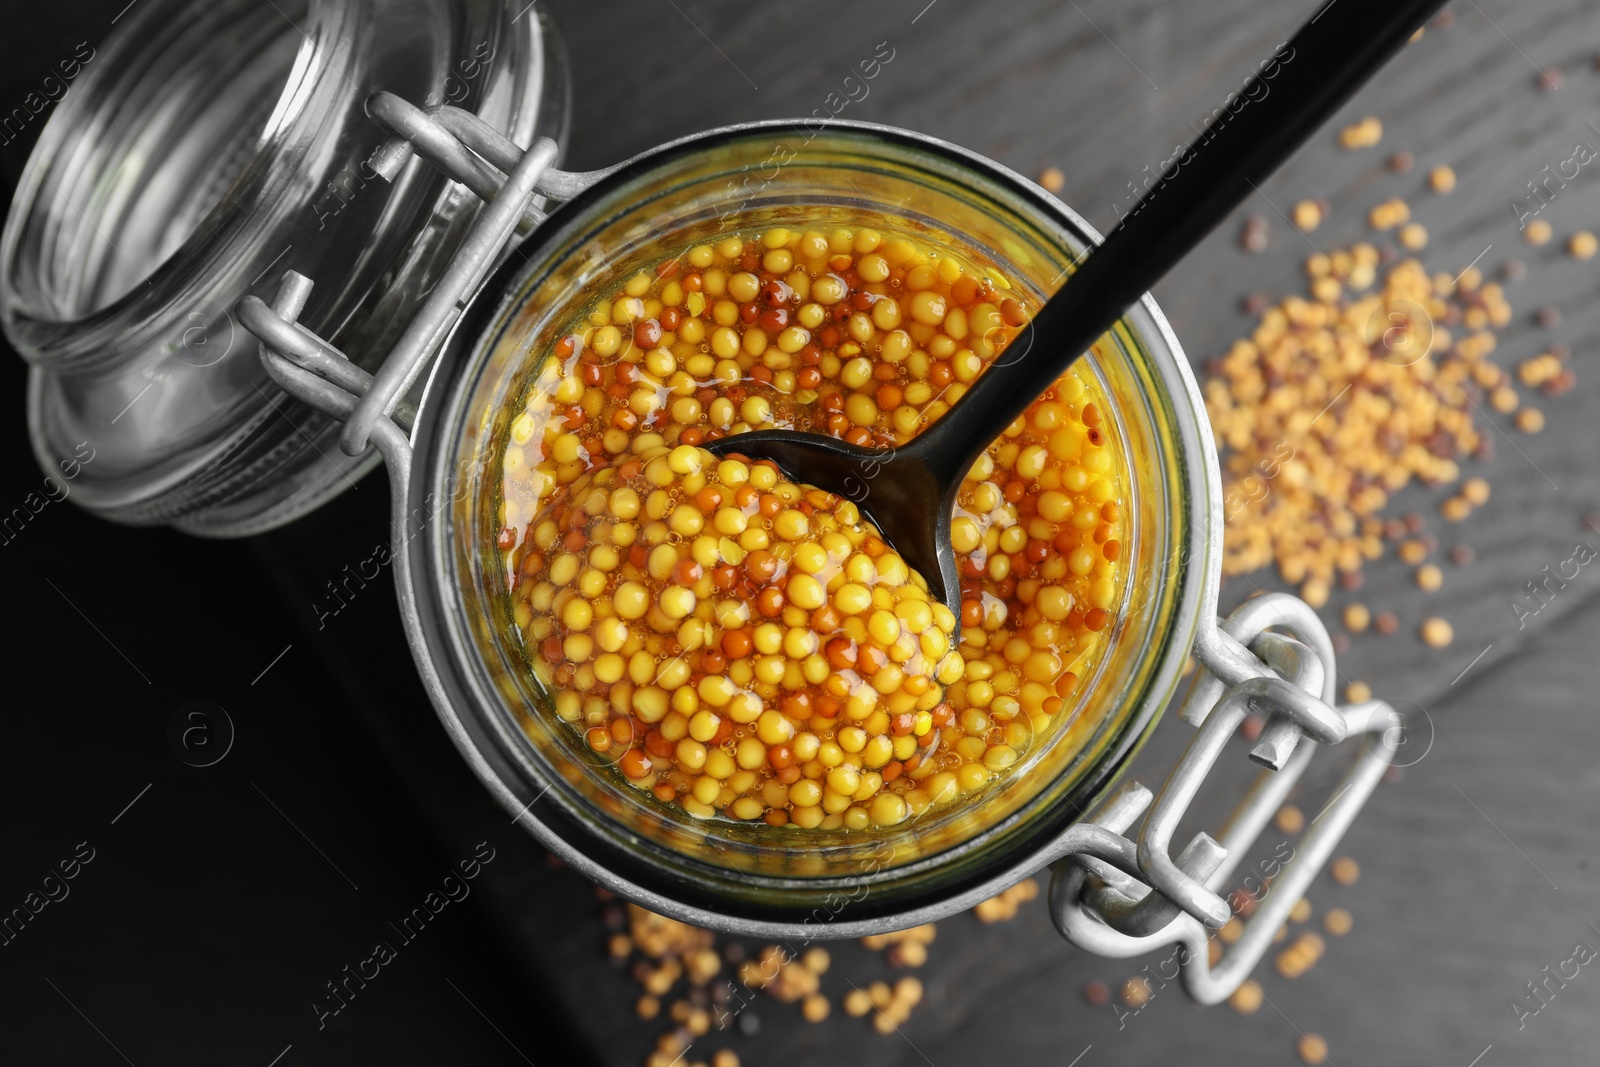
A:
(910, 492)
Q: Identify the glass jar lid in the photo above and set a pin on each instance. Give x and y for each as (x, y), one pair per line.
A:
(204, 150)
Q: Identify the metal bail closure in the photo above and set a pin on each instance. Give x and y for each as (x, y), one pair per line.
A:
(1177, 902)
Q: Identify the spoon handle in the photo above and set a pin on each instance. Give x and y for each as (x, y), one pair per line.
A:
(1289, 97)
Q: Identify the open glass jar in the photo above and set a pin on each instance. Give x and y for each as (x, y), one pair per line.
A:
(469, 339)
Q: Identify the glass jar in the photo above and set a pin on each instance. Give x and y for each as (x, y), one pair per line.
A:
(207, 147)
(676, 196)
(411, 266)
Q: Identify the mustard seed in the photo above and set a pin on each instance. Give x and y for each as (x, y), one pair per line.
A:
(1312, 1048)
(1436, 632)
(1307, 215)
(1442, 179)
(1247, 999)
(1429, 578)
(1301, 911)
(1357, 693)
(1357, 618)
(1290, 819)
(1337, 922)
(1052, 179)
(1536, 232)
(1363, 134)
(1386, 623)
(1530, 420)
(1583, 245)
(1345, 870)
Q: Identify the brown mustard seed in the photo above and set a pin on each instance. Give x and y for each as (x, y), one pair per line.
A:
(1401, 162)
(1253, 235)
(1386, 622)
(1437, 633)
(1549, 79)
(1097, 993)
(1461, 555)
(1337, 922)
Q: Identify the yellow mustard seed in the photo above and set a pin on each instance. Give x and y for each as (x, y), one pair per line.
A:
(730, 641)
(1345, 870)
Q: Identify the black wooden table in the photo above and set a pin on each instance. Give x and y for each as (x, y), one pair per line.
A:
(219, 903)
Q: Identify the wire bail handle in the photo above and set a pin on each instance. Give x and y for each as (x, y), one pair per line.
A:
(508, 179)
(1244, 667)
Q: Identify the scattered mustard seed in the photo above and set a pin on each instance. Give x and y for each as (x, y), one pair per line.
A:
(1442, 179)
(1301, 911)
(1476, 490)
(1357, 693)
(1312, 1048)
(1337, 922)
(1413, 237)
(1437, 633)
(1389, 214)
(1290, 819)
(1246, 1000)
(1530, 420)
(1345, 870)
(1357, 617)
(1136, 992)
(1052, 179)
(1429, 578)
(1307, 215)
(1536, 232)
(1363, 134)
(1583, 245)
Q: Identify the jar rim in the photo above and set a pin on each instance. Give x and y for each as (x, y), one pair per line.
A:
(485, 741)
